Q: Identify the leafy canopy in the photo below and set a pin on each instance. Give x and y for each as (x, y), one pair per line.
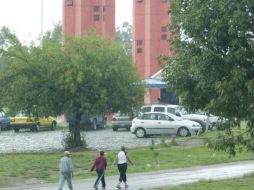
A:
(86, 74)
(124, 37)
(213, 68)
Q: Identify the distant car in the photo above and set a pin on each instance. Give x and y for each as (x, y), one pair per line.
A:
(163, 123)
(22, 121)
(88, 122)
(121, 120)
(179, 111)
(4, 121)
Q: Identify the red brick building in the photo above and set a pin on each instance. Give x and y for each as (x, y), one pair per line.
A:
(150, 34)
(79, 16)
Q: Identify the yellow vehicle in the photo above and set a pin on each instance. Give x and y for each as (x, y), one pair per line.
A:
(21, 121)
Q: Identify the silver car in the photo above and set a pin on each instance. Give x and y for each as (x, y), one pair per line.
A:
(121, 120)
(154, 123)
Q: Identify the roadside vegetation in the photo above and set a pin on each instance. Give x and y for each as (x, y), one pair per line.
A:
(177, 153)
(244, 183)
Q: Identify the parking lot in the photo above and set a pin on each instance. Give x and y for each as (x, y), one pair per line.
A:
(50, 141)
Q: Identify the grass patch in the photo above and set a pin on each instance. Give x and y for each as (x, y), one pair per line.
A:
(44, 167)
(244, 183)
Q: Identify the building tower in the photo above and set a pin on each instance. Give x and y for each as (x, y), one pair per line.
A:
(150, 35)
(79, 16)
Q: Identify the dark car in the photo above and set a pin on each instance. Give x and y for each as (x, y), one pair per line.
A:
(121, 120)
(88, 122)
(5, 122)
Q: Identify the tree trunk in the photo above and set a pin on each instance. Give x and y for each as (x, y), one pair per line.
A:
(76, 130)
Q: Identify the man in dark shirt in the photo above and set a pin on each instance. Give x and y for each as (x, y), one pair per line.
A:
(100, 164)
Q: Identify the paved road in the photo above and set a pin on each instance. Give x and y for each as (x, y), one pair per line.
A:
(162, 178)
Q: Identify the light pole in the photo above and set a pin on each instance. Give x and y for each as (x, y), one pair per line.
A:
(41, 21)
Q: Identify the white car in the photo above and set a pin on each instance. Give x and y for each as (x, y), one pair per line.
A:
(154, 123)
(177, 110)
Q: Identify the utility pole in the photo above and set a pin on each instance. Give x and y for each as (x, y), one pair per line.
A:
(41, 21)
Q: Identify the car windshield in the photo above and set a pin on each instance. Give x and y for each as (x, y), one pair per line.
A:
(176, 118)
(146, 109)
(182, 111)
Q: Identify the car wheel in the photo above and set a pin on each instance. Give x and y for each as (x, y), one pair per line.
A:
(140, 133)
(183, 132)
(53, 126)
(114, 128)
(94, 124)
(16, 130)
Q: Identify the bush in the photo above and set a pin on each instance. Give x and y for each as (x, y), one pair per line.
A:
(68, 141)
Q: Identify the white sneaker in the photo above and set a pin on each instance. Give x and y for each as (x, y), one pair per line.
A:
(95, 187)
(126, 186)
(118, 187)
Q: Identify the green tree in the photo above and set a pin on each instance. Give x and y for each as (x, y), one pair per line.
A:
(213, 68)
(85, 75)
(55, 35)
(124, 37)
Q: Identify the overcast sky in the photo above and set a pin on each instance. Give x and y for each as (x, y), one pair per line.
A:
(24, 16)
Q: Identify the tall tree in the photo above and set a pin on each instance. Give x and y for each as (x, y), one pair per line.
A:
(213, 68)
(85, 75)
(124, 37)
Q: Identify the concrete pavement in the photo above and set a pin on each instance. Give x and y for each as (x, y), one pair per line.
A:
(161, 178)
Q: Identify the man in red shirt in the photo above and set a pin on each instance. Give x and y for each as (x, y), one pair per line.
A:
(100, 164)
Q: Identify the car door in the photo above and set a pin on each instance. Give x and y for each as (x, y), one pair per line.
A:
(165, 124)
(149, 123)
(44, 121)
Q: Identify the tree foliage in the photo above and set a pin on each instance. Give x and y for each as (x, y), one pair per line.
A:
(213, 68)
(84, 75)
(124, 37)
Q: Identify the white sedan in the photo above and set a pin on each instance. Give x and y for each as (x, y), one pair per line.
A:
(154, 123)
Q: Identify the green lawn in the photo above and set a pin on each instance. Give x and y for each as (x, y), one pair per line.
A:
(44, 167)
(244, 183)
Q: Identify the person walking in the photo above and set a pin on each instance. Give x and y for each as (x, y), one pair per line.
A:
(66, 171)
(121, 160)
(100, 164)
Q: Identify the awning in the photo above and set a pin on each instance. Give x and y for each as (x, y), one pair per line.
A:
(155, 83)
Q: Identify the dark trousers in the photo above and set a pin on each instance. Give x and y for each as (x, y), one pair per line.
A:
(122, 168)
(101, 178)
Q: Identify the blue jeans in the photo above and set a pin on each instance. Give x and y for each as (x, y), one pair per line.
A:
(101, 178)
(122, 168)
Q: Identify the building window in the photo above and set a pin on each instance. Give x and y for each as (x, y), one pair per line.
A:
(139, 1)
(96, 8)
(69, 2)
(139, 42)
(164, 29)
(96, 17)
(164, 1)
(139, 50)
(164, 37)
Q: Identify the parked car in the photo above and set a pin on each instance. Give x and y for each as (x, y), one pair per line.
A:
(88, 122)
(155, 123)
(213, 119)
(4, 121)
(121, 120)
(21, 121)
(179, 111)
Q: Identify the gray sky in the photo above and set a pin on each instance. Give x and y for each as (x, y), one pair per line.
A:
(24, 16)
